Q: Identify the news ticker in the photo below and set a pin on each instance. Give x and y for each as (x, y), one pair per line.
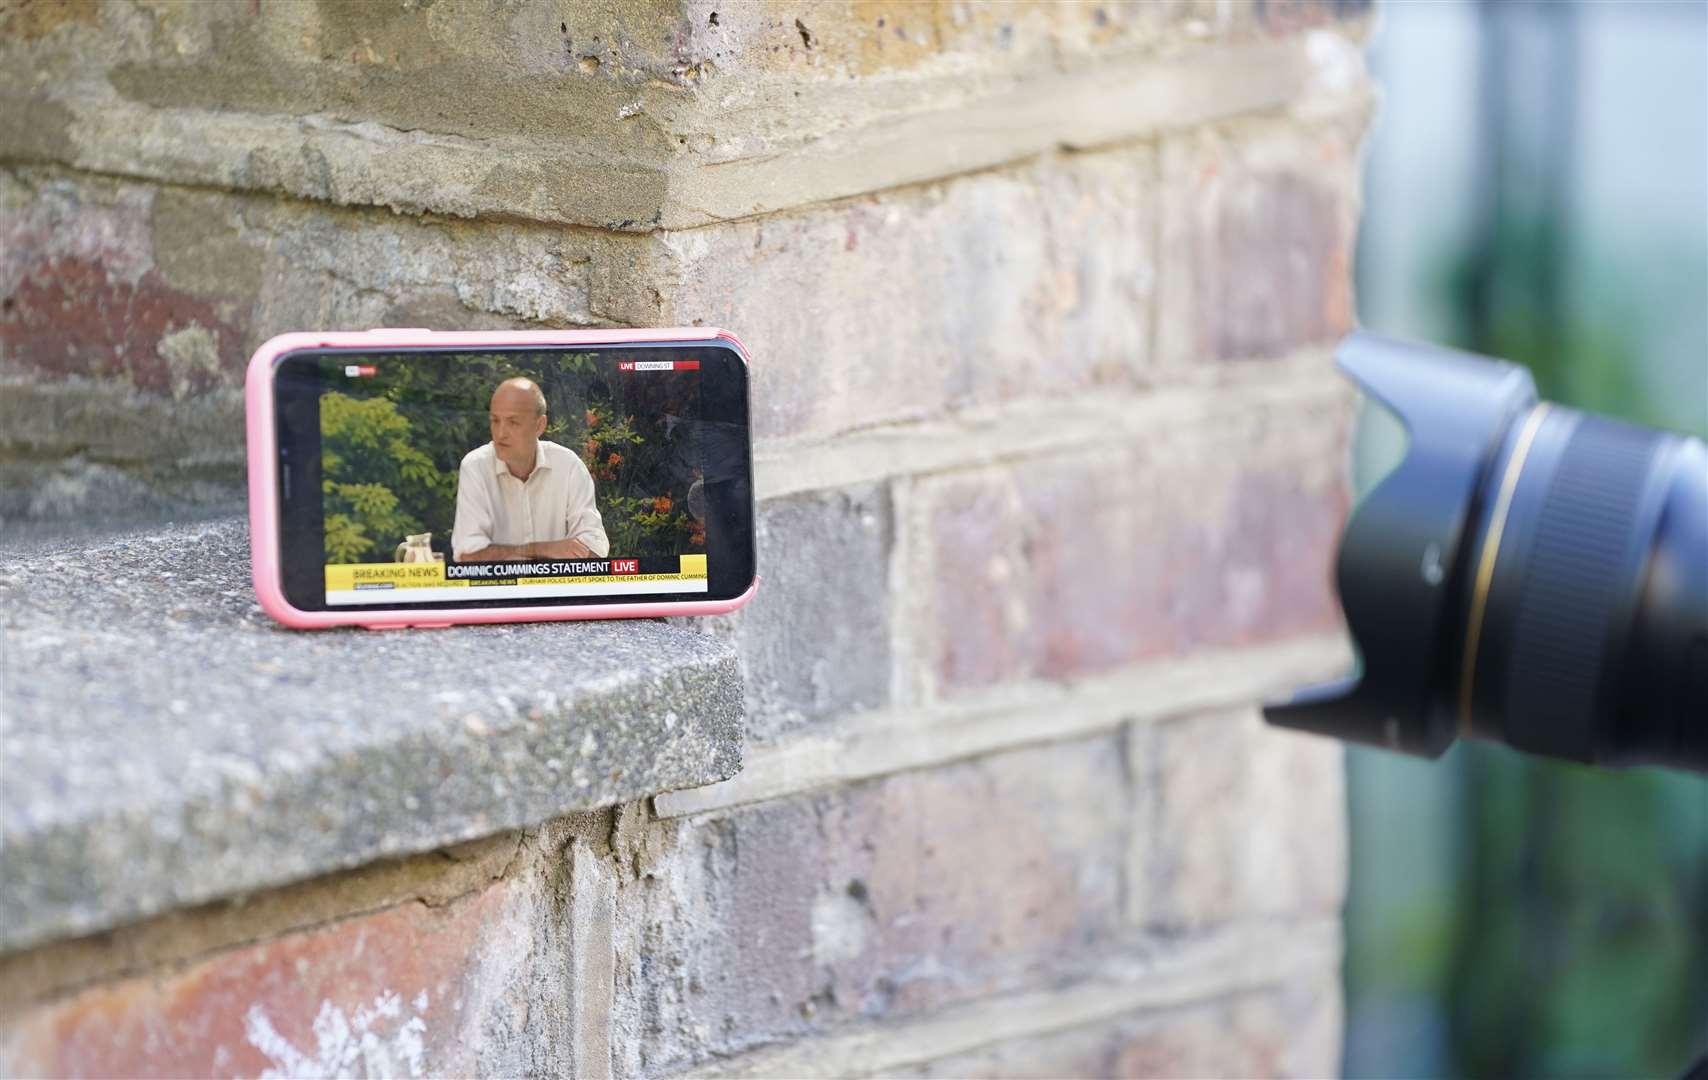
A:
(364, 371)
(421, 583)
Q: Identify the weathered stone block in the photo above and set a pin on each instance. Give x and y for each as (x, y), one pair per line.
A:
(1215, 536)
(878, 37)
(624, 115)
(149, 295)
(168, 291)
(1234, 819)
(878, 900)
(1037, 280)
(127, 312)
(82, 294)
(411, 990)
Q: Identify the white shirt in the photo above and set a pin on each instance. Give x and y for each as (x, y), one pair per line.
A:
(554, 503)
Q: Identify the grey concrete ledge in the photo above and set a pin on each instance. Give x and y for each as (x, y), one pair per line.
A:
(777, 143)
(163, 743)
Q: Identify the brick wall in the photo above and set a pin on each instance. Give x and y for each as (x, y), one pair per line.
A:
(1050, 462)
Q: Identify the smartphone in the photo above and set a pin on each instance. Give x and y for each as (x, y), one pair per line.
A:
(407, 477)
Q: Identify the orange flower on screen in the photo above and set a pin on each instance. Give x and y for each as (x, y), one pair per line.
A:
(662, 504)
(592, 419)
(592, 446)
(614, 459)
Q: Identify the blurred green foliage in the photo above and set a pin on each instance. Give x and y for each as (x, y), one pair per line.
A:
(1583, 930)
(1579, 947)
(392, 443)
(1588, 357)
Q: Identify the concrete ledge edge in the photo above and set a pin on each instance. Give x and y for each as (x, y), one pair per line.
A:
(165, 744)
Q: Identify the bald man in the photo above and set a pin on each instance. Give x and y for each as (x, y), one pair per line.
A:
(520, 497)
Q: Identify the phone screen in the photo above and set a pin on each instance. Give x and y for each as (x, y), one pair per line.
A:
(423, 478)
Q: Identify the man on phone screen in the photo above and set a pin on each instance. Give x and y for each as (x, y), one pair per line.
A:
(522, 497)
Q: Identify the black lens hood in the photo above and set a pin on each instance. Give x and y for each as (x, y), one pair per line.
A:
(1405, 551)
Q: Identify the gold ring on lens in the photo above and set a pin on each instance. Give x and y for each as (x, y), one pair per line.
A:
(1486, 560)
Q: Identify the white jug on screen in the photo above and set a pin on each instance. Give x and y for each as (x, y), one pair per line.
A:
(416, 548)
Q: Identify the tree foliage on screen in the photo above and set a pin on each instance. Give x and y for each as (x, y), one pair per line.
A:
(392, 443)
(375, 480)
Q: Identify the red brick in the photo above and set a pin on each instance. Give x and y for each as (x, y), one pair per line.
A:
(405, 991)
(1235, 820)
(1290, 16)
(886, 899)
(1030, 282)
(815, 641)
(1259, 226)
(1077, 565)
(1283, 1031)
(80, 295)
(127, 312)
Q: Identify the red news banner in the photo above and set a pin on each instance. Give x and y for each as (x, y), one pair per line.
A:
(480, 572)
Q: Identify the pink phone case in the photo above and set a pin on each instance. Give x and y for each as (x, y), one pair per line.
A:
(263, 477)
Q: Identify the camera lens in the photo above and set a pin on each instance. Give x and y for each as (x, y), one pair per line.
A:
(1528, 573)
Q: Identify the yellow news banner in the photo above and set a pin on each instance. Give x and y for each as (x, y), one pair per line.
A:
(347, 577)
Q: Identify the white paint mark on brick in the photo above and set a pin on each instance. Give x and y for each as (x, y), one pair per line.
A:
(378, 1040)
(190, 352)
(838, 927)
